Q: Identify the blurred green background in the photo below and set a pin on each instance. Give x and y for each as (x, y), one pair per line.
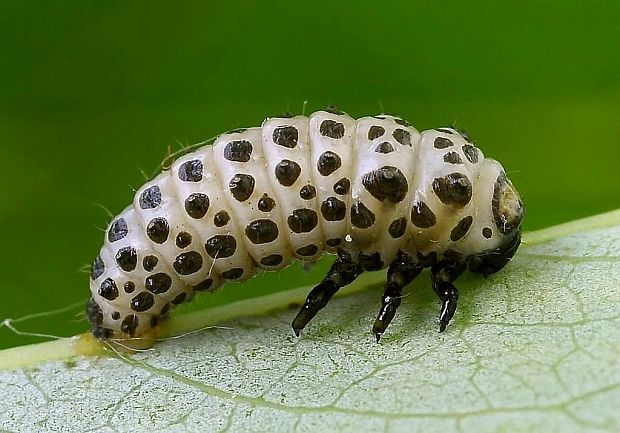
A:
(92, 91)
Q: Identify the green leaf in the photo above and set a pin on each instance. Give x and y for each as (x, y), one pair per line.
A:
(534, 347)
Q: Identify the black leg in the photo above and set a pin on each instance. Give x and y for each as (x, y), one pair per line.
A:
(400, 273)
(343, 272)
(443, 275)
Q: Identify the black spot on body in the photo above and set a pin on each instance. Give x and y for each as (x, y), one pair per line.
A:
(452, 158)
(261, 231)
(343, 186)
(93, 312)
(118, 230)
(386, 184)
(129, 287)
(461, 228)
(361, 216)
(286, 136)
(221, 218)
(127, 258)
(333, 209)
(302, 220)
(308, 250)
(108, 289)
(487, 232)
(241, 186)
(116, 315)
(334, 242)
(130, 324)
(402, 136)
(232, 274)
(191, 171)
(332, 129)
(453, 189)
(471, 153)
(157, 230)
(287, 172)
(187, 263)
(238, 151)
(197, 205)
(221, 246)
(158, 283)
(150, 198)
(179, 299)
(149, 263)
(266, 203)
(385, 147)
(203, 286)
(271, 260)
(442, 143)
(183, 240)
(371, 262)
(334, 110)
(375, 132)
(142, 301)
(398, 227)
(328, 163)
(97, 268)
(422, 216)
(307, 192)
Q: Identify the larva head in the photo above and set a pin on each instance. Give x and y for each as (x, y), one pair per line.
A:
(506, 211)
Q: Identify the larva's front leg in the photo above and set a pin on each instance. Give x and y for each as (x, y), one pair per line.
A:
(344, 271)
(443, 274)
(400, 273)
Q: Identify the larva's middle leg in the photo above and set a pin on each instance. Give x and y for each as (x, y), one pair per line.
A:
(443, 275)
(400, 273)
(344, 271)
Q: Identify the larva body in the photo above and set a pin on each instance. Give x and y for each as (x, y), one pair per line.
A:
(373, 190)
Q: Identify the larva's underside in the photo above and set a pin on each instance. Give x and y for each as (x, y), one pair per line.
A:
(373, 190)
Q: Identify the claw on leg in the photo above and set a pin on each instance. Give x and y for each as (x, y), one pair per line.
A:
(442, 276)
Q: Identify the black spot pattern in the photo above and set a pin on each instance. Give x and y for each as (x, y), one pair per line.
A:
(158, 283)
(150, 198)
(333, 209)
(375, 132)
(487, 232)
(328, 163)
(232, 274)
(271, 260)
(452, 158)
(238, 151)
(307, 251)
(302, 220)
(261, 231)
(453, 189)
(130, 324)
(221, 246)
(471, 153)
(385, 147)
(266, 203)
(149, 263)
(183, 240)
(97, 268)
(179, 299)
(286, 136)
(422, 216)
(442, 143)
(108, 289)
(461, 228)
(191, 171)
(307, 192)
(398, 227)
(203, 285)
(332, 129)
(127, 258)
(197, 205)
(361, 216)
(334, 242)
(241, 186)
(343, 186)
(187, 263)
(287, 172)
(93, 312)
(129, 287)
(402, 136)
(142, 301)
(116, 315)
(157, 230)
(221, 218)
(118, 230)
(386, 184)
